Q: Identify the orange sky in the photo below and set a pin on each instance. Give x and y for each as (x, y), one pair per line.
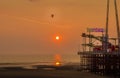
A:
(26, 26)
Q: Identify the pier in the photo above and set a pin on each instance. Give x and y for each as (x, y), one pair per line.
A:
(103, 59)
(102, 63)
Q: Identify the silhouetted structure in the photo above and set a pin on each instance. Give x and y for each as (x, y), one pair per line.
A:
(102, 59)
(101, 62)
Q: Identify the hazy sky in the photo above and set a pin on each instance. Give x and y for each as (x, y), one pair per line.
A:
(26, 26)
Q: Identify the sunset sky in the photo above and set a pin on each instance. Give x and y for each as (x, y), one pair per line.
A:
(26, 26)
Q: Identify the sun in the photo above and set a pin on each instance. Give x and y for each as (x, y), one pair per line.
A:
(57, 37)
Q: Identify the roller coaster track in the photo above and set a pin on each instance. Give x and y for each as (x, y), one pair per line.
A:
(99, 38)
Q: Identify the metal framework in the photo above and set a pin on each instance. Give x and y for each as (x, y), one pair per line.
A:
(102, 61)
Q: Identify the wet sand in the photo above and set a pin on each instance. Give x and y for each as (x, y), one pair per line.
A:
(46, 73)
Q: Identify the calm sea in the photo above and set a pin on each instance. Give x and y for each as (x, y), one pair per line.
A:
(38, 59)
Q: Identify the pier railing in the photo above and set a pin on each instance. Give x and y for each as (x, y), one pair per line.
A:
(104, 63)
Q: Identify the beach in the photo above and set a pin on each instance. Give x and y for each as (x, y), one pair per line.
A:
(18, 72)
(46, 74)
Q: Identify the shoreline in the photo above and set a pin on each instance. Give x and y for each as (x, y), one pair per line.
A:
(43, 71)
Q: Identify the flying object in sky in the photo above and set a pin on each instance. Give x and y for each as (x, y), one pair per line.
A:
(31, 0)
(52, 15)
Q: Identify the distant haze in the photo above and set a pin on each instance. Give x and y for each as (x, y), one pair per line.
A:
(26, 26)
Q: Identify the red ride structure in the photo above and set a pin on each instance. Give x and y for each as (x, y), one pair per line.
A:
(102, 58)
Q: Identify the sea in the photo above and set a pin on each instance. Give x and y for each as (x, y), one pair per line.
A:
(44, 59)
